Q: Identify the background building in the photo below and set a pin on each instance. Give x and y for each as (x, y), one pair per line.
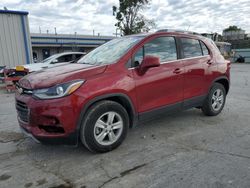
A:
(18, 46)
(233, 35)
(15, 44)
(45, 45)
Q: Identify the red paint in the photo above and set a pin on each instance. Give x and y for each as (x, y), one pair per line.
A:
(158, 86)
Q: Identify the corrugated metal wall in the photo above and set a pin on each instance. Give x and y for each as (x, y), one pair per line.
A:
(15, 45)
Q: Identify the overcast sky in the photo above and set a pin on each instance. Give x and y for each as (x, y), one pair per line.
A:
(82, 16)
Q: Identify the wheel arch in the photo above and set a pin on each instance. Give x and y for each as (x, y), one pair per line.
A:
(120, 98)
(224, 81)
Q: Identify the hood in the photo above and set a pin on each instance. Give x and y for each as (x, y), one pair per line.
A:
(60, 74)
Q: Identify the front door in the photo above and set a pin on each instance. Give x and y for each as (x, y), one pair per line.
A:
(160, 86)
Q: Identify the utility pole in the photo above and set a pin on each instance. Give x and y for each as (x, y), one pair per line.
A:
(116, 33)
(75, 41)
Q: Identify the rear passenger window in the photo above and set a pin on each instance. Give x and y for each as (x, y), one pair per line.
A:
(204, 48)
(191, 48)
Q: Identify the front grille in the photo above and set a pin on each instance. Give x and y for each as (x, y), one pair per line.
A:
(22, 111)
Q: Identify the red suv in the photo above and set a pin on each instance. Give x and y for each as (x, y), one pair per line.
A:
(120, 83)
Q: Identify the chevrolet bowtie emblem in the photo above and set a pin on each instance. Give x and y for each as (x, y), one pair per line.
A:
(20, 90)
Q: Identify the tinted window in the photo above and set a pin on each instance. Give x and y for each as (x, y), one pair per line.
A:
(162, 47)
(204, 48)
(65, 58)
(138, 57)
(191, 48)
(78, 56)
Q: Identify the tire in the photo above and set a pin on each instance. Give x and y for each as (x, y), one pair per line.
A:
(104, 127)
(215, 100)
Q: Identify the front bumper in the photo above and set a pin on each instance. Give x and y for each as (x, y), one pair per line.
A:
(49, 121)
(71, 139)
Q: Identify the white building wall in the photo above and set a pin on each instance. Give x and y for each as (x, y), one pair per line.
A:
(15, 45)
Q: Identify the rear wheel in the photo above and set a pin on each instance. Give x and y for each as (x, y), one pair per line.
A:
(215, 100)
(104, 126)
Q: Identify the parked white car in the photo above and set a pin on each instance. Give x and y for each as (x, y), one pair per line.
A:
(52, 61)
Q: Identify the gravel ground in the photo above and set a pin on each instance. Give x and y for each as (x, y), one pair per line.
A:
(186, 149)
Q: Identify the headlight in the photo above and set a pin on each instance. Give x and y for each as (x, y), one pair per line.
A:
(58, 91)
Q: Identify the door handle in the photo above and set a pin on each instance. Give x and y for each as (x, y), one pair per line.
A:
(177, 71)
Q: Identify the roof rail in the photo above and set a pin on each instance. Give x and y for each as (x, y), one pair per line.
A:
(178, 30)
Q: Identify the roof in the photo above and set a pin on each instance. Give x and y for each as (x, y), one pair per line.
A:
(14, 12)
(171, 32)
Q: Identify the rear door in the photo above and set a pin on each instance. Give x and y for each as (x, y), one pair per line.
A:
(163, 85)
(195, 62)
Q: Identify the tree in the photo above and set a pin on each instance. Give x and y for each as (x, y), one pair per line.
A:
(232, 28)
(129, 18)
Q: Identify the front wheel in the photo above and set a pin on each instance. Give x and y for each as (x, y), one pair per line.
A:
(215, 100)
(104, 126)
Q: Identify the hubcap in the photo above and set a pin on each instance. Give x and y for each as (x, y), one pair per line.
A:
(108, 128)
(217, 100)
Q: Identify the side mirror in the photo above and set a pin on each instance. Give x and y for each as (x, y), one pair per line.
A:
(149, 62)
(54, 61)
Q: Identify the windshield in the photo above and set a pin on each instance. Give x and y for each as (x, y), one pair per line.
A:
(111, 51)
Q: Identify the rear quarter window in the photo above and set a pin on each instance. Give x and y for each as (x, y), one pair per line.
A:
(204, 48)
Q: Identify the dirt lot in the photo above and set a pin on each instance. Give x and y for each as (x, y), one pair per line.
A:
(182, 150)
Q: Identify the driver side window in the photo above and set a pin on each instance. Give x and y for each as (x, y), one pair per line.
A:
(138, 57)
(162, 47)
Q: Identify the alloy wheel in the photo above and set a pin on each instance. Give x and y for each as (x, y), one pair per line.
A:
(217, 99)
(108, 128)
